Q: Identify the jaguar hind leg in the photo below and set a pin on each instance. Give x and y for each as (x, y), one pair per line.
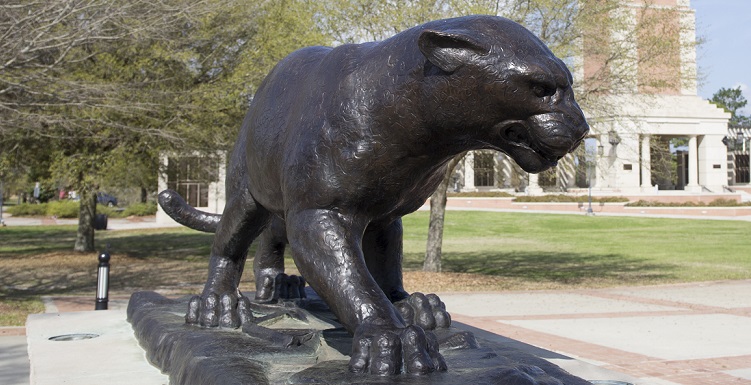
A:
(268, 266)
(221, 303)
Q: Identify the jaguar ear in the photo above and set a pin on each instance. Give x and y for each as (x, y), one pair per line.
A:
(449, 50)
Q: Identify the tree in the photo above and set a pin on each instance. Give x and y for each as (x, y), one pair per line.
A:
(732, 100)
(47, 45)
(356, 21)
(437, 215)
(85, 77)
(662, 162)
(234, 48)
(107, 85)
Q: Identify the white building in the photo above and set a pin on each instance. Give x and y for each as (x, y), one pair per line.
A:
(202, 187)
(658, 100)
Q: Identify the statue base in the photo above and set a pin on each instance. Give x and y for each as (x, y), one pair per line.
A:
(300, 342)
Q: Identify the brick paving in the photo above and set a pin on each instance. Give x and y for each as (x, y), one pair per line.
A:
(622, 305)
(606, 209)
(634, 360)
(64, 304)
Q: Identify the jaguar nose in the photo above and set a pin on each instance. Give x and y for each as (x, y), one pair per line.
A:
(565, 142)
(581, 131)
(556, 147)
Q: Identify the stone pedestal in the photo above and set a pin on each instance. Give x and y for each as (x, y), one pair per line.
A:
(87, 348)
(300, 342)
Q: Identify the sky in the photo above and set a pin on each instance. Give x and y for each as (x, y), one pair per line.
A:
(725, 57)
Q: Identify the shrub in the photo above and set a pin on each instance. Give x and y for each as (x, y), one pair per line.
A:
(108, 211)
(568, 198)
(481, 194)
(611, 199)
(551, 198)
(715, 203)
(63, 209)
(727, 203)
(140, 209)
(28, 209)
(69, 209)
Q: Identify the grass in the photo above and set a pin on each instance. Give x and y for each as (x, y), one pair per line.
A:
(531, 251)
(39, 260)
(482, 251)
(13, 311)
(720, 202)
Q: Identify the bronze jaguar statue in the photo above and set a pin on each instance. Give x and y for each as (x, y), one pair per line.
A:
(340, 143)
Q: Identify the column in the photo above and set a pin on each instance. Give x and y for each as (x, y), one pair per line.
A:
(469, 172)
(566, 172)
(646, 164)
(504, 163)
(713, 162)
(162, 184)
(217, 200)
(693, 166)
(533, 187)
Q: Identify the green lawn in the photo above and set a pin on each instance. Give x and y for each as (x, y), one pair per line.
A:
(586, 250)
(482, 251)
(37, 261)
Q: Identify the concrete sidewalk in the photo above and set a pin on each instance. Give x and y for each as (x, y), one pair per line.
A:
(14, 356)
(688, 334)
(459, 204)
(148, 222)
(507, 205)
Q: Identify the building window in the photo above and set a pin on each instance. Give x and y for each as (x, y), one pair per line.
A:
(190, 177)
(741, 168)
(484, 169)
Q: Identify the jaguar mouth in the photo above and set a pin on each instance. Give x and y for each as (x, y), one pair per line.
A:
(517, 134)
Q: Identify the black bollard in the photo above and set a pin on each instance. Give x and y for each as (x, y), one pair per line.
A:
(102, 281)
(2, 222)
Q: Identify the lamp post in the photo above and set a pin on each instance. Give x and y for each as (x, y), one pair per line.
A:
(590, 159)
(740, 140)
(589, 182)
(613, 138)
(2, 222)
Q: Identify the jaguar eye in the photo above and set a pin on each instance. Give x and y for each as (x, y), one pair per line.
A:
(542, 91)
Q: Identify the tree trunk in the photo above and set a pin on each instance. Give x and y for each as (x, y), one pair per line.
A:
(144, 195)
(86, 214)
(437, 213)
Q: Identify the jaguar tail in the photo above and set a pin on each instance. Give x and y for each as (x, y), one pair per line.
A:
(183, 213)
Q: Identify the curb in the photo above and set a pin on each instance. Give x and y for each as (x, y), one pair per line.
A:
(12, 331)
